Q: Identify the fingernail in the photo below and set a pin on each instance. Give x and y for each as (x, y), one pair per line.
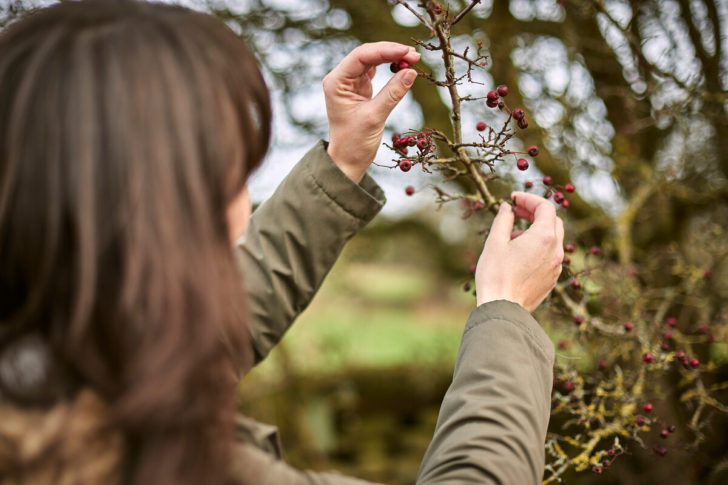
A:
(409, 77)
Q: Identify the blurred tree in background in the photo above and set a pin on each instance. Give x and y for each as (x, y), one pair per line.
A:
(627, 99)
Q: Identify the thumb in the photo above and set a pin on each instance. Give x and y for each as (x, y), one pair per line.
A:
(393, 92)
(502, 227)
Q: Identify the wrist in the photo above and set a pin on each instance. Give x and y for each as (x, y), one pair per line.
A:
(488, 296)
(354, 171)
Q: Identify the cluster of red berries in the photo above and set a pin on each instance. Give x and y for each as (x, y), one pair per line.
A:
(558, 196)
(612, 455)
(686, 361)
(395, 67)
(494, 99)
(421, 141)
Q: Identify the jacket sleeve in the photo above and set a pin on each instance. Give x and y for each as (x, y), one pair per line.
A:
(493, 419)
(295, 237)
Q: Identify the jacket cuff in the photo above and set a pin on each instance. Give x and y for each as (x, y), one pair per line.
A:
(518, 316)
(363, 200)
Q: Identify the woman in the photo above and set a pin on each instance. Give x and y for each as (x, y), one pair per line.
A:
(127, 133)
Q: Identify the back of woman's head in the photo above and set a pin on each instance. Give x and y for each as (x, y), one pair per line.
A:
(126, 129)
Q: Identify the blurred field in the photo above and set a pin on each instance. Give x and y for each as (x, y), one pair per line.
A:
(356, 384)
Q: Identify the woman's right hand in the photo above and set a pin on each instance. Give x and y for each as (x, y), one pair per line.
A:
(521, 267)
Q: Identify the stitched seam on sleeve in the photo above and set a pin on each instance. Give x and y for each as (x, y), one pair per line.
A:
(529, 333)
(332, 198)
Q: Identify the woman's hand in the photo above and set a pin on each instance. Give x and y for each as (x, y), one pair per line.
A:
(356, 120)
(521, 267)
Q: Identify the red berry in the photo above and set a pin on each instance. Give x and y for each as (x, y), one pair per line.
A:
(707, 275)
(694, 363)
(602, 364)
(394, 67)
(680, 355)
(491, 103)
(522, 164)
(422, 134)
(405, 165)
(569, 188)
(703, 329)
(402, 150)
(403, 65)
(671, 322)
(647, 407)
(437, 9)
(569, 247)
(578, 320)
(563, 344)
(473, 268)
(640, 421)
(665, 346)
(660, 450)
(568, 386)
(395, 137)
(409, 190)
(558, 197)
(647, 357)
(611, 452)
(481, 126)
(518, 114)
(423, 144)
(597, 469)
(628, 326)
(668, 335)
(477, 205)
(547, 180)
(492, 95)
(565, 204)
(664, 434)
(595, 251)
(533, 150)
(529, 184)
(575, 284)
(411, 141)
(523, 123)
(503, 90)
(671, 428)
(466, 286)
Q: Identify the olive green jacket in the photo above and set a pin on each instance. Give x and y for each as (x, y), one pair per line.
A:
(492, 423)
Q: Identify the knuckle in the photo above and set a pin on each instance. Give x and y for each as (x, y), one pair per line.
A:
(548, 238)
(394, 95)
(558, 259)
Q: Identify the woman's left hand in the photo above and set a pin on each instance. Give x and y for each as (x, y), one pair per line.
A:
(356, 120)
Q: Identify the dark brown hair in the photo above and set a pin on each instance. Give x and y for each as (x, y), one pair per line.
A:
(126, 129)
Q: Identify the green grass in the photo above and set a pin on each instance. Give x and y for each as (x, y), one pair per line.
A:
(369, 315)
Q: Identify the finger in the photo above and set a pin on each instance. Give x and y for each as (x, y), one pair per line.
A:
(371, 72)
(393, 92)
(358, 61)
(535, 209)
(517, 233)
(502, 227)
(559, 228)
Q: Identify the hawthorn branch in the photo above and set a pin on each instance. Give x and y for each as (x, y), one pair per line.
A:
(419, 16)
(464, 12)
